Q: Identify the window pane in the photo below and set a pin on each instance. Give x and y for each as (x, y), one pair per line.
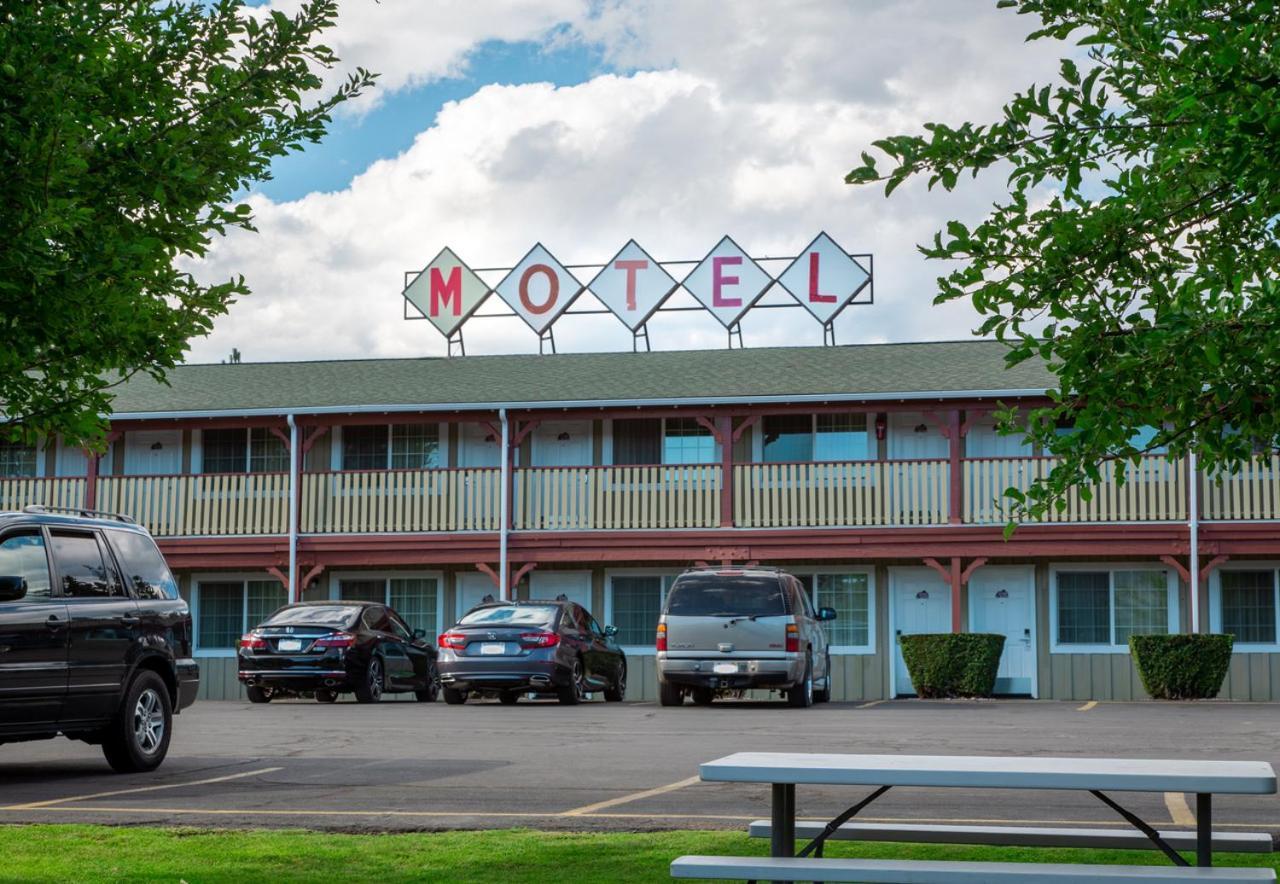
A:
(414, 599)
(788, 438)
(221, 614)
(415, 446)
(637, 603)
(849, 595)
(1084, 608)
(1249, 605)
(17, 460)
(265, 598)
(637, 441)
(364, 448)
(841, 437)
(23, 555)
(84, 573)
(145, 571)
(267, 452)
(222, 451)
(363, 590)
(687, 441)
(1142, 604)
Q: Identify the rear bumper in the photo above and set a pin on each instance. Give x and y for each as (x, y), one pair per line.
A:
(298, 678)
(188, 676)
(772, 673)
(469, 674)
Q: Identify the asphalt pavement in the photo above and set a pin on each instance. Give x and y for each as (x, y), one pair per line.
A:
(631, 766)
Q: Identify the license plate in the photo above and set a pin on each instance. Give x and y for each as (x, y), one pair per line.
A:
(289, 644)
(725, 668)
(493, 649)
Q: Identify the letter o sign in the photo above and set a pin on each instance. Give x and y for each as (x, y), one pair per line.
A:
(553, 288)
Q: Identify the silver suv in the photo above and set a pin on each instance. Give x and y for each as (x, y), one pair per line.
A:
(728, 629)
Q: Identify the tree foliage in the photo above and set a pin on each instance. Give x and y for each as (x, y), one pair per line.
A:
(1137, 250)
(128, 132)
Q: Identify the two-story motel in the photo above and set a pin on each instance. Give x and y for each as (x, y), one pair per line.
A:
(872, 472)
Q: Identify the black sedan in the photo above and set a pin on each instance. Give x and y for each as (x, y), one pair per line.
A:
(513, 647)
(327, 648)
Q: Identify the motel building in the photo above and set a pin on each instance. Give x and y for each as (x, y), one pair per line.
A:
(872, 472)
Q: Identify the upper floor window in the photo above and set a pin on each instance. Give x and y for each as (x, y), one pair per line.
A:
(18, 460)
(684, 440)
(815, 437)
(394, 446)
(254, 450)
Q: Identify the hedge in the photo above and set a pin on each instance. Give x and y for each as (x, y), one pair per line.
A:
(1181, 667)
(961, 664)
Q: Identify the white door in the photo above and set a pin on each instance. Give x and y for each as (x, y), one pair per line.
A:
(574, 585)
(921, 603)
(984, 441)
(478, 446)
(472, 589)
(911, 437)
(153, 453)
(1002, 600)
(562, 444)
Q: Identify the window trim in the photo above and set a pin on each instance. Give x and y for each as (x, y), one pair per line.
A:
(1215, 603)
(870, 649)
(1173, 591)
(244, 578)
(335, 578)
(650, 649)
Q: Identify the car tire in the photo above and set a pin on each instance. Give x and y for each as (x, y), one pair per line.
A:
(431, 692)
(137, 739)
(703, 696)
(670, 694)
(324, 695)
(509, 698)
(370, 688)
(618, 692)
(824, 695)
(575, 691)
(455, 697)
(800, 696)
(258, 694)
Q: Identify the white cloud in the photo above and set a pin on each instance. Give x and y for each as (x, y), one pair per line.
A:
(675, 158)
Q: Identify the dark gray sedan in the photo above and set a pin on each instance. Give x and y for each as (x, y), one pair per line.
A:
(514, 647)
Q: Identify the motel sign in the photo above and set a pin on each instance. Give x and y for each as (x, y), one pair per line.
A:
(633, 286)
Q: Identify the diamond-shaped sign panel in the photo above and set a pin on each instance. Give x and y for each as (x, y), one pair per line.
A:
(447, 292)
(632, 285)
(824, 278)
(727, 282)
(539, 289)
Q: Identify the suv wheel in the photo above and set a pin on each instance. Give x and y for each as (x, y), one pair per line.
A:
(703, 696)
(138, 737)
(801, 696)
(455, 697)
(824, 695)
(258, 694)
(670, 694)
(618, 692)
(371, 690)
(576, 690)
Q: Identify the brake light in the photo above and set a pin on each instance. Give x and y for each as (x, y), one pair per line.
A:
(336, 640)
(662, 636)
(455, 641)
(251, 641)
(793, 639)
(539, 639)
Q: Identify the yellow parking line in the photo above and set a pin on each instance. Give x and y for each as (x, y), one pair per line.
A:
(1179, 810)
(1087, 706)
(634, 796)
(236, 776)
(869, 705)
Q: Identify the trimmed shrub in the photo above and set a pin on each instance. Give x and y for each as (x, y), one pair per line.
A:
(960, 664)
(1181, 667)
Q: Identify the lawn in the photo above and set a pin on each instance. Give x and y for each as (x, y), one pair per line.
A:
(105, 853)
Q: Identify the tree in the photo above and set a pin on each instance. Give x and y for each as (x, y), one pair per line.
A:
(128, 132)
(1137, 250)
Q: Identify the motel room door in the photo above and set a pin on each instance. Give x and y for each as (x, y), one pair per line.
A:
(921, 603)
(1002, 600)
(575, 585)
(153, 452)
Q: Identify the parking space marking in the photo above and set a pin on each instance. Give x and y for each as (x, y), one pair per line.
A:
(634, 796)
(872, 703)
(1087, 706)
(1179, 810)
(34, 805)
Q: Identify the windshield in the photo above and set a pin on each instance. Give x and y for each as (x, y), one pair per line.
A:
(715, 595)
(513, 615)
(315, 615)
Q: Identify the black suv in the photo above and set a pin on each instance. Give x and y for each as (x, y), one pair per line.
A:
(94, 641)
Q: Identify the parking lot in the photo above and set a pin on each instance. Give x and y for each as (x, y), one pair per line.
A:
(633, 766)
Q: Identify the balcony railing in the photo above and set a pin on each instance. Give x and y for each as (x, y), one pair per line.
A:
(623, 497)
(1249, 495)
(20, 492)
(796, 495)
(218, 503)
(388, 501)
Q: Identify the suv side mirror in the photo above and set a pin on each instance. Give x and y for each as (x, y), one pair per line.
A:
(611, 630)
(12, 588)
(826, 613)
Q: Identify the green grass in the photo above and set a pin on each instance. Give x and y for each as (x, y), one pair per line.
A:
(106, 853)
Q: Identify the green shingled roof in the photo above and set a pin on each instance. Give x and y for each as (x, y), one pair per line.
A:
(705, 375)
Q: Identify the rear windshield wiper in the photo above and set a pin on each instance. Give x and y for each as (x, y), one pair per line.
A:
(740, 618)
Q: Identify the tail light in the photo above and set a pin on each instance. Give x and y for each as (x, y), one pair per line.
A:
(539, 639)
(251, 641)
(662, 637)
(336, 640)
(793, 638)
(454, 641)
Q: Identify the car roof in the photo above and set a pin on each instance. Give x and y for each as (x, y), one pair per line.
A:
(350, 603)
(730, 571)
(71, 518)
(500, 603)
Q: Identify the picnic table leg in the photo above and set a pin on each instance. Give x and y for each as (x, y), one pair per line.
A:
(1204, 829)
(783, 831)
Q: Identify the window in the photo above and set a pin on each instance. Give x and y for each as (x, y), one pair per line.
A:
(850, 596)
(636, 606)
(415, 599)
(362, 590)
(841, 437)
(394, 446)
(1248, 600)
(221, 616)
(637, 441)
(685, 441)
(364, 448)
(788, 438)
(255, 450)
(267, 452)
(1100, 609)
(263, 598)
(23, 555)
(18, 460)
(145, 571)
(810, 438)
(84, 571)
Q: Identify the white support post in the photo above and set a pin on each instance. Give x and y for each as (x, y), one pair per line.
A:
(504, 589)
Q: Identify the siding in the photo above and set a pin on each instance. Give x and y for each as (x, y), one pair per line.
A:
(218, 679)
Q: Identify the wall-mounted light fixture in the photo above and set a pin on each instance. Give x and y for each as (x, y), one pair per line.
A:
(563, 437)
(880, 426)
(156, 446)
(922, 594)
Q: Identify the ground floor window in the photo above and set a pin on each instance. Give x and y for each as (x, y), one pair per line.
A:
(850, 595)
(634, 605)
(1099, 608)
(415, 598)
(1247, 605)
(226, 608)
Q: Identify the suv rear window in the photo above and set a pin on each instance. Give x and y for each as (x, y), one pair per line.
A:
(144, 569)
(717, 595)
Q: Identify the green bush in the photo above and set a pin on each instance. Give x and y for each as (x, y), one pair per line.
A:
(961, 664)
(1181, 667)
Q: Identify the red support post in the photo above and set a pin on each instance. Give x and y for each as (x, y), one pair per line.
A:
(724, 433)
(956, 508)
(956, 578)
(90, 480)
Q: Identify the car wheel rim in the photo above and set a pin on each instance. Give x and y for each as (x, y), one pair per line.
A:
(375, 679)
(579, 681)
(148, 721)
(433, 681)
(622, 683)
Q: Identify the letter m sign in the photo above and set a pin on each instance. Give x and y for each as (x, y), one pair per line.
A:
(446, 292)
